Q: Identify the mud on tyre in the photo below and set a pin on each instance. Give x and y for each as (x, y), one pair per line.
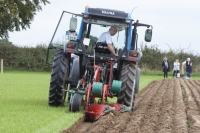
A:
(127, 77)
(60, 70)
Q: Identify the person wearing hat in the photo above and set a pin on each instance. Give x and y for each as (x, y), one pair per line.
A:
(106, 37)
(188, 64)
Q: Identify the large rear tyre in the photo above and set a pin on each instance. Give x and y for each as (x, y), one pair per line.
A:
(127, 77)
(76, 103)
(60, 71)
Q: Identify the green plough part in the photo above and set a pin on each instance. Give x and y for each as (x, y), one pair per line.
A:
(125, 108)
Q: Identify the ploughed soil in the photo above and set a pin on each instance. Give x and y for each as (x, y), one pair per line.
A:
(165, 106)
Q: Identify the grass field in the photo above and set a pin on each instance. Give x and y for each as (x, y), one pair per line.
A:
(24, 104)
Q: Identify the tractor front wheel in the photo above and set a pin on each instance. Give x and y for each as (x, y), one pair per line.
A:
(128, 73)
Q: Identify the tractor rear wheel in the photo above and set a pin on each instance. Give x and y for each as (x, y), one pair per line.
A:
(76, 103)
(60, 71)
(128, 73)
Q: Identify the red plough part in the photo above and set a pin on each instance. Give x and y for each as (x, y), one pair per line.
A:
(97, 82)
(95, 111)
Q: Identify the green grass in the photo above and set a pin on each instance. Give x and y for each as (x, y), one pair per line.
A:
(24, 103)
(146, 79)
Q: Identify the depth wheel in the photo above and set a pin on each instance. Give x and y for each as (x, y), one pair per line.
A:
(76, 103)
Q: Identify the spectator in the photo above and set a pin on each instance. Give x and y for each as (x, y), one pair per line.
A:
(188, 67)
(176, 68)
(165, 67)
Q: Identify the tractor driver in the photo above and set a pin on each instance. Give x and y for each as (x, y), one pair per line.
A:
(106, 38)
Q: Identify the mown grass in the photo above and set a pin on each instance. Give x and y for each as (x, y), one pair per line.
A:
(24, 103)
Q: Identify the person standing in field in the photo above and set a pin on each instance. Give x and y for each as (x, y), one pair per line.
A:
(188, 64)
(165, 67)
(176, 68)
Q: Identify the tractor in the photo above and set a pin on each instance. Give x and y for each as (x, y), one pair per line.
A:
(84, 72)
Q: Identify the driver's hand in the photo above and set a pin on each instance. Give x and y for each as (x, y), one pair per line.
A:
(116, 55)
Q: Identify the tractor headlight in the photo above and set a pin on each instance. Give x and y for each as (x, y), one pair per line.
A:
(133, 54)
(85, 15)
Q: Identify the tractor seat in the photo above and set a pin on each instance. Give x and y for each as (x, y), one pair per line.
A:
(101, 48)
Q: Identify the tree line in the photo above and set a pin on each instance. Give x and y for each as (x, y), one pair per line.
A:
(34, 58)
(23, 58)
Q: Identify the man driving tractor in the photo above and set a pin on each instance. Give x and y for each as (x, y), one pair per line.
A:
(106, 37)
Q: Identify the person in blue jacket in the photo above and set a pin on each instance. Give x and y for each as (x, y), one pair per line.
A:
(188, 65)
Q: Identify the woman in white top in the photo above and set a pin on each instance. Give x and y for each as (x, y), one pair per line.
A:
(176, 68)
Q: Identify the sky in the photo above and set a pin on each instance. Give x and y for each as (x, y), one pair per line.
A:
(176, 23)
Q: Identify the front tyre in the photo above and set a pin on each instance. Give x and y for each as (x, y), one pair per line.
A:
(60, 71)
(127, 77)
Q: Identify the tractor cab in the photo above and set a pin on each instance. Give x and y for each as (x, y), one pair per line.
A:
(85, 29)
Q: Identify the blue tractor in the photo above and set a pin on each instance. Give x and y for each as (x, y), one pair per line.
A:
(86, 69)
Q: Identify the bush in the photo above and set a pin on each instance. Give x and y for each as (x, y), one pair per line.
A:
(23, 58)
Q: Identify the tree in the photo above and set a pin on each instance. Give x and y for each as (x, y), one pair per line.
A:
(93, 40)
(16, 15)
(5, 42)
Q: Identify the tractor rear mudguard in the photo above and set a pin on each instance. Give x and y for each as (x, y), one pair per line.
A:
(74, 73)
(71, 81)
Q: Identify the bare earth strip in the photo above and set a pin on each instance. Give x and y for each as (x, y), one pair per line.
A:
(167, 110)
(166, 106)
(151, 115)
(191, 107)
(180, 119)
(195, 118)
(141, 108)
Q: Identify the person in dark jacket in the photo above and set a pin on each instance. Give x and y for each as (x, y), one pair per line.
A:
(188, 64)
(165, 67)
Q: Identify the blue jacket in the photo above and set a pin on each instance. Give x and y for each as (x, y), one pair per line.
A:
(188, 66)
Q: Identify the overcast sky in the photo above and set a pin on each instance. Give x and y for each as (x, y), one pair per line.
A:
(176, 23)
